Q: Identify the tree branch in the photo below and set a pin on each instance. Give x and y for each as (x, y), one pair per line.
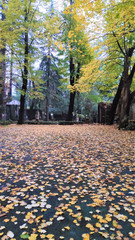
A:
(133, 94)
(118, 44)
(132, 72)
(130, 52)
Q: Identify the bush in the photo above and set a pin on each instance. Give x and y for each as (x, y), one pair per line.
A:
(7, 122)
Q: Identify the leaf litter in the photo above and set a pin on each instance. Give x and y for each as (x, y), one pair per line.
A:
(67, 182)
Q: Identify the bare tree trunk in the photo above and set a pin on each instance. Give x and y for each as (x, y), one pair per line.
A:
(48, 85)
(115, 101)
(11, 75)
(24, 78)
(125, 100)
(2, 73)
(72, 94)
(47, 109)
(2, 83)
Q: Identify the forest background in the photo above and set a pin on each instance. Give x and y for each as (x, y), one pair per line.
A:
(67, 59)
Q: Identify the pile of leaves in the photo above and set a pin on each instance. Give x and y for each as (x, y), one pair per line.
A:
(66, 182)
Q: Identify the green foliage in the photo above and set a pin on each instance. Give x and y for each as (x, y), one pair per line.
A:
(74, 44)
(51, 85)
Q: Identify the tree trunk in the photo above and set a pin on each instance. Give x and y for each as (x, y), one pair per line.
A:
(2, 74)
(11, 75)
(78, 94)
(2, 83)
(47, 109)
(115, 101)
(124, 106)
(24, 78)
(72, 94)
(48, 85)
(71, 107)
(125, 100)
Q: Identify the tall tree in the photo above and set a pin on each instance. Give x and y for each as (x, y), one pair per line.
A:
(122, 35)
(115, 50)
(72, 77)
(2, 63)
(48, 47)
(25, 70)
(56, 95)
(24, 27)
(75, 49)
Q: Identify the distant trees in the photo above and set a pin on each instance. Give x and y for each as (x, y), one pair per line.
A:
(23, 29)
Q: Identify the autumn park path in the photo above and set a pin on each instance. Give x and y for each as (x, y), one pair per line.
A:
(66, 182)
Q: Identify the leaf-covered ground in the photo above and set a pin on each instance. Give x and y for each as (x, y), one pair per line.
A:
(66, 182)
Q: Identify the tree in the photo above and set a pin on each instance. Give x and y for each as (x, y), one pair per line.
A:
(51, 86)
(48, 61)
(23, 28)
(115, 50)
(75, 49)
(2, 63)
(122, 33)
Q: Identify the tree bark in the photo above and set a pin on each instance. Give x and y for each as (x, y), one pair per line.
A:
(48, 85)
(24, 78)
(123, 96)
(125, 99)
(2, 83)
(124, 106)
(2, 73)
(11, 75)
(72, 94)
(115, 101)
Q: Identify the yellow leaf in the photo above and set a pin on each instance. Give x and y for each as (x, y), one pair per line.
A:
(50, 236)
(42, 236)
(105, 235)
(67, 228)
(33, 237)
(115, 223)
(13, 219)
(98, 225)
(108, 218)
(38, 218)
(6, 220)
(133, 225)
(90, 226)
(86, 236)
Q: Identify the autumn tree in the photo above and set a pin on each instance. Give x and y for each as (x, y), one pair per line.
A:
(113, 40)
(23, 28)
(122, 35)
(75, 49)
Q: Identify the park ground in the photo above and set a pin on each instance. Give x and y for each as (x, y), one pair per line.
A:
(66, 182)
